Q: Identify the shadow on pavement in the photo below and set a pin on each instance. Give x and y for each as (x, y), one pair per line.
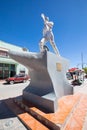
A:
(5, 112)
(7, 107)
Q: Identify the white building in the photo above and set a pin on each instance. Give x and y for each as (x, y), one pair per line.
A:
(8, 66)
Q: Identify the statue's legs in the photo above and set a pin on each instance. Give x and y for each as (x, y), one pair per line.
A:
(41, 44)
(54, 47)
(52, 42)
(48, 37)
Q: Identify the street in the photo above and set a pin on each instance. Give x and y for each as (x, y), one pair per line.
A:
(10, 91)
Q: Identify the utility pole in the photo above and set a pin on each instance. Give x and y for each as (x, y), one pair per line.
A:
(82, 59)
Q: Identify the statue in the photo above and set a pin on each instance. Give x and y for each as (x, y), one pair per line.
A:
(47, 71)
(48, 35)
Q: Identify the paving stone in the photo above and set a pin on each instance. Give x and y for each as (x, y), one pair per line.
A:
(8, 120)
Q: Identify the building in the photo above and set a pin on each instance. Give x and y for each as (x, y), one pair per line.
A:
(8, 66)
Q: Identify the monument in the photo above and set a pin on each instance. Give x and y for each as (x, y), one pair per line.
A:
(47, 71)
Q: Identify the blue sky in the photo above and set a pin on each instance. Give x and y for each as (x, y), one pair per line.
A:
(21, 24)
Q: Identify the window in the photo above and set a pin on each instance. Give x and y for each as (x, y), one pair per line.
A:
(3, 53)
(12, 67)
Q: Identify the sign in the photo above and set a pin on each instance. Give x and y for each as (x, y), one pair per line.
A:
(58, 66)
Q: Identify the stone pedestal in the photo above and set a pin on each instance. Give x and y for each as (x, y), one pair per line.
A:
(48, 82)
(48, 78)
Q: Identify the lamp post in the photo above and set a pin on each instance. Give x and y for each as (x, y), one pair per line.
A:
(82, 59)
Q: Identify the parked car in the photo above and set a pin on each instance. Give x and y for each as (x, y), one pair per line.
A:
(18, 78)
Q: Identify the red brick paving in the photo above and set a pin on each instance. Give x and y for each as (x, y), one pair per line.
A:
(71, 114)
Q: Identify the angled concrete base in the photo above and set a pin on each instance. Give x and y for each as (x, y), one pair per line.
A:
(48, 78)
(47, 103)
(48, 82)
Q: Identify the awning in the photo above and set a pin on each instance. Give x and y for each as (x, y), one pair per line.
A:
(73, 69)
(7, 61)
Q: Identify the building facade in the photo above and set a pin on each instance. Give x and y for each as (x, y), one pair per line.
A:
(8, 66)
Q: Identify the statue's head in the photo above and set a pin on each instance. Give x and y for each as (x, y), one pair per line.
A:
(47, 18)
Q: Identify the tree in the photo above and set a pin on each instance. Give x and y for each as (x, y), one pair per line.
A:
(85, 70)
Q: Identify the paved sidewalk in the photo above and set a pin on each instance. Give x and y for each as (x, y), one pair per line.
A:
(8, 120)
(82, 88)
